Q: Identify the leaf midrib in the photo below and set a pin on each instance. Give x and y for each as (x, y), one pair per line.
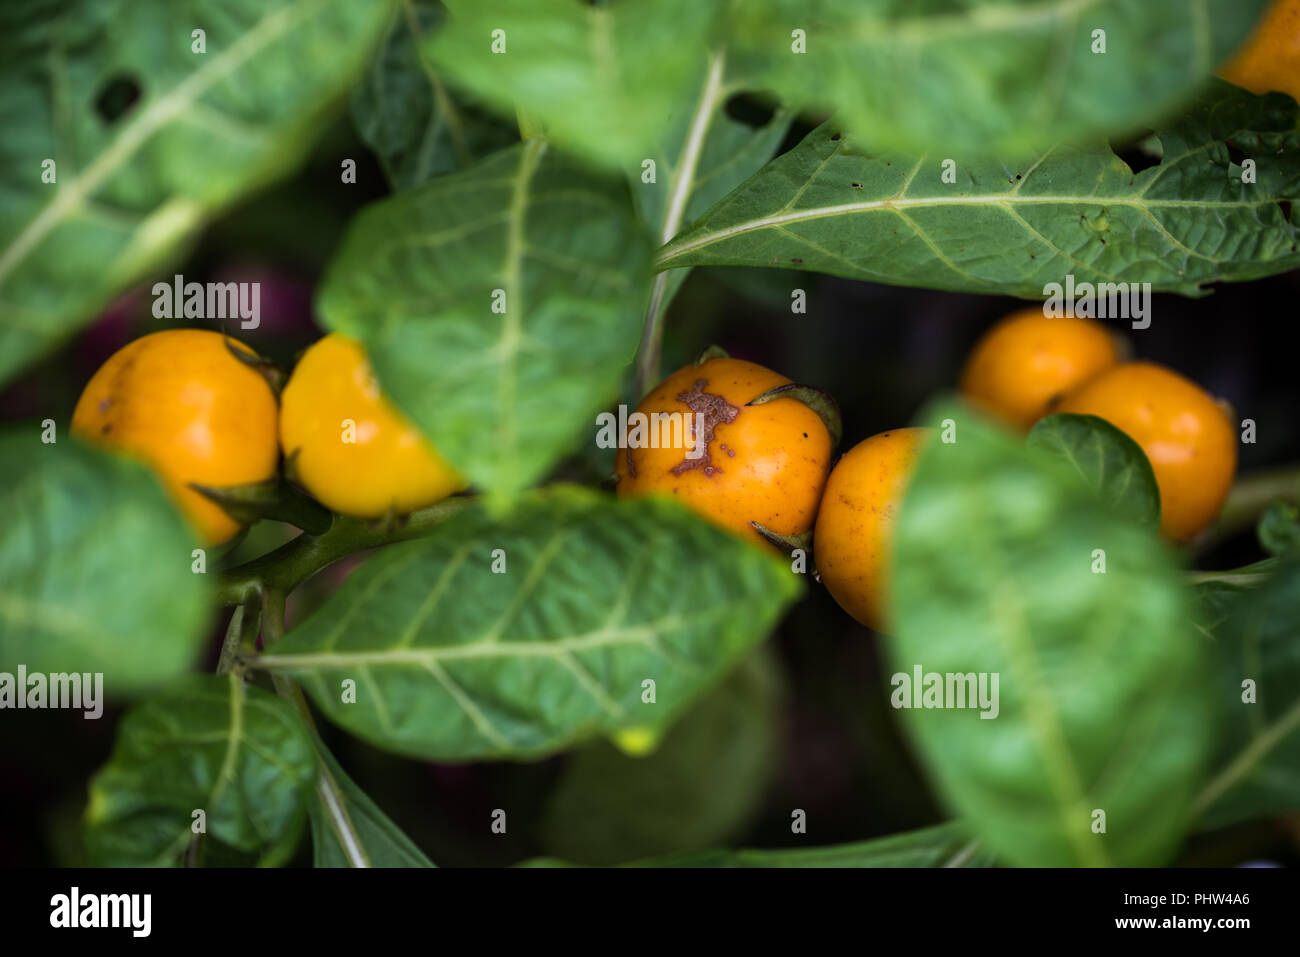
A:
(1009, 201)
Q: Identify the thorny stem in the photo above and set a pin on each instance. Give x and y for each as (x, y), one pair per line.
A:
(284, 569)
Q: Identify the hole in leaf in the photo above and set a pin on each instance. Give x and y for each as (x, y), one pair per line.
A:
(1285, 206)
(835, 137)
(856, 185)
(118, 96)
(1236, 155)
(1141, 153)
(748, 109)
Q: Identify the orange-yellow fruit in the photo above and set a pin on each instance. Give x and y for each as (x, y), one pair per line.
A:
(194, 412)
(1270, 58)
(853, 540)
(349, 446)
(1185, 433)
(765, 463)
(1026, 362)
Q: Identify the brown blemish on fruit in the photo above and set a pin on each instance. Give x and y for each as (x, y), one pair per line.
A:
(715, 411)
(631, 466)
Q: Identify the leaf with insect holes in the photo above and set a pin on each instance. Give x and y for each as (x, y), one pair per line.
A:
(945, 845)
(209, 743)
(601, 78)
(150, 139)
(499, 307)
(595, 597)
(974, 77)
(1103, 699)
(1110, 464)
(1257, 765)
(95, 567)
(349, 830)
(1013, 229)
(405, 112)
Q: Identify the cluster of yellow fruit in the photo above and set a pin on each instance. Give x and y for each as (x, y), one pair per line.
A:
(1030, 365)
(197, 409)
(771, 463)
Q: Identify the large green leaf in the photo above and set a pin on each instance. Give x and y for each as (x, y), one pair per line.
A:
(697, 789)
(946, 845)
(349, 830)
(503, 396)
(405, 112)
(208, 743)
(701, 155)
(1013, 228)
(206, 128)
(1109, 463)
(1005, 76)
(1103, 700)
(95, 567)
(602, 78)
(1257, 640)
(452, 661)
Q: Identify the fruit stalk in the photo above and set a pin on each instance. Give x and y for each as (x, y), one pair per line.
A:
(288, 566)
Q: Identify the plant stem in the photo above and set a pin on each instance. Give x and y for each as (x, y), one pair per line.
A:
(652, 334)
(241, 633)
(1246, 502)
(288, 566)
(1228, 578)
(530, 128)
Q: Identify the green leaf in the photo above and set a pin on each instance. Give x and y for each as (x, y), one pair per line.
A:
(206, 129)
(981, 76)
(1258, 762)
(404, 111)
(503, 396)
(95, 567)
(946, 845)
(1012, 228)
(1103, 700)
(1279, 529)
(1112, 466)
(349, 830)
(454, 662)
(699, 788)
(208, 743)
(601, 78)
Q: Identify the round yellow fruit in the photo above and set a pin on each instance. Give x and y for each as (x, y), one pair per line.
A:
(1184, 431)
(195, 413)
(1270, 58)
(1028, 361)
(350, 447)
(762, 463)
(853, 540)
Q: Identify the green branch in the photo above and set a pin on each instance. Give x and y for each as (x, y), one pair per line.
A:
(1246, 503)
(284, 569)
